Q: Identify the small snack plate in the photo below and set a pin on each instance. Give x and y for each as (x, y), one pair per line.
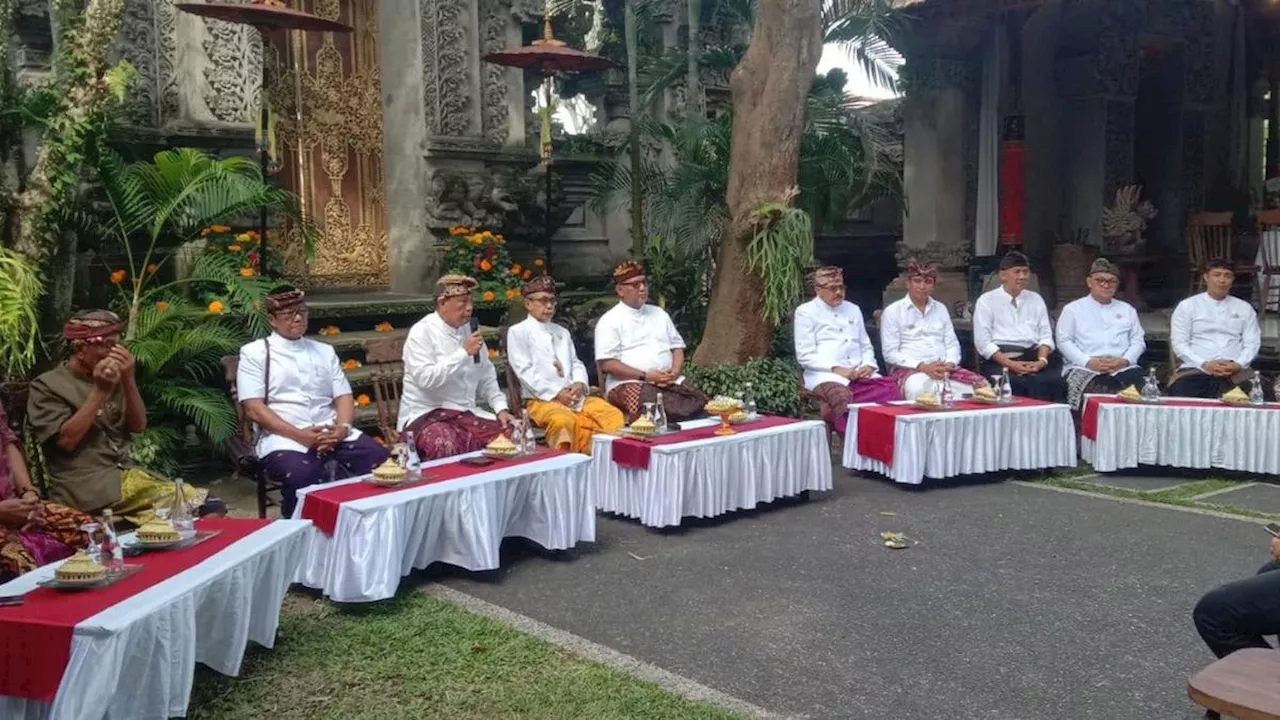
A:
(199, 537)
(107, 580)
(1137, 401)
(502, 456)
(380, 482)
(930, 408)
(1238, 403)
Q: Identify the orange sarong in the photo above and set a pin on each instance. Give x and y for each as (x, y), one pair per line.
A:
(566, 428)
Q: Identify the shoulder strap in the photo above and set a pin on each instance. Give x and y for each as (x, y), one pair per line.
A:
(266, 372)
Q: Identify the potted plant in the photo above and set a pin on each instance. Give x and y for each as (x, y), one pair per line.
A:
(1072, 258)
(483, 255)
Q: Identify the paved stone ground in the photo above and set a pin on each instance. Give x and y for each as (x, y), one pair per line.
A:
(1018, 602)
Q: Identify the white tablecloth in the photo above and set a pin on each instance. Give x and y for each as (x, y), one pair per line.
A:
(462, 522)
(706, 478)
(1209, 436)
(965, 442)
(136, 660)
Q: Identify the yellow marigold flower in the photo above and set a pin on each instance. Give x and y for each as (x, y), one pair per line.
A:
(118, 276)
(538, 262)
(152, 268)
(233, 248)
(362, 399)
(161, 305)
(216, 306)
(243, 237)
(488, 295)
(246, 272)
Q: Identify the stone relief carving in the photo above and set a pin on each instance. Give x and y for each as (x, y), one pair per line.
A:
(493, 38)
(444, 57)
(148, 42)
(948, 256)
(234, 72)
(1119, 147)
(1193, 160)
(481, 199)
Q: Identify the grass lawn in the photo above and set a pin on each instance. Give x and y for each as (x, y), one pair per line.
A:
(417, 656)
(1182, 495)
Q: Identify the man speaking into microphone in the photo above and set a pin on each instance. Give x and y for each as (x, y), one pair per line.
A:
(448, 377)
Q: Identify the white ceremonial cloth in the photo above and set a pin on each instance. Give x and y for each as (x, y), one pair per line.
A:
(999, 319)
(136, 659)
(909, 337)
(706, 478)
(306, 378)
(967, 442)
(827, 337)
(1211, 436)
(1088, 329)
(438, 373)
(543, 358)
(462, 522)
(642, 338)
(1203, 329)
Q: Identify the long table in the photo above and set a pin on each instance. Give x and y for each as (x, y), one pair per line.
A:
(376, 540)
(1180, 432)
(908, 445)
(711, 476)
(136, 658)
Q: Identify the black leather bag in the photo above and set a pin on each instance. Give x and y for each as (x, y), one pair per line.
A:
(244, 445)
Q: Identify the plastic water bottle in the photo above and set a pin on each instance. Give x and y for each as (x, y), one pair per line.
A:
(660, 418)
(944, 394)
(1151, 389)
(1006, 390)
(412, 461)
(180, 513)
(526, 432)
(749, 401)
(1255, 390)
(112, 551)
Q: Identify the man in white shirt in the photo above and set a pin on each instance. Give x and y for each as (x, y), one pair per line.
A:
(640, 352)
(447, 372)
(553, 381)
(1011, 331)
(835, 352)
(1100, 338)
(918, 340)
(1215, 336)
(294, 390)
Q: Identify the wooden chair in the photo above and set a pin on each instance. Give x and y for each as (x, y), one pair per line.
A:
(514, 399)
(244, 460)
(1209, 238)
(1268, 223)
(385, 358)
(1241, 685)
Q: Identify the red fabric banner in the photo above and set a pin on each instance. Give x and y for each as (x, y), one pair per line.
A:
(35, 637)
(878, 424)
(321, 506)
(1089, 418)
(634, 452)
(1012, 161)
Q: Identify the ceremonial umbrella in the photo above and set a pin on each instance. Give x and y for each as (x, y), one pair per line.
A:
(548, 55)
(266, 16)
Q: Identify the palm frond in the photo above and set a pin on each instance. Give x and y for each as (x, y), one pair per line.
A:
(20, 295)
(208, 408)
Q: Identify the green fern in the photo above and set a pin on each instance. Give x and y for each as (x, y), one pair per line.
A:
(20, 294)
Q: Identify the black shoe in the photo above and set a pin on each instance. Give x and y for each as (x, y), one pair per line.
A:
(1212, 715)
(212, 506)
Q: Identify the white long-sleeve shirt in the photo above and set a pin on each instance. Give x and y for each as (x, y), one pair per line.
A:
(909, 337)
(1204, 329)
(438, 373)
(828, 337)
(1088, 329)
(306, 378)
(1000, 319)
(534, 348)
(642, 338)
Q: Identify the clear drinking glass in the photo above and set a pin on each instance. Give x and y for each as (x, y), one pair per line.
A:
(648, 412)
(93, 550)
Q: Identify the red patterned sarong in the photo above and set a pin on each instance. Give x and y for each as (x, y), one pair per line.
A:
(964, 376)
(836, 397)
(444, 433)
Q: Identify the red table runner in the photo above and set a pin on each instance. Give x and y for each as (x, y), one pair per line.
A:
(321, 506)
(634, 452)
(877, 424)
(35, 637)
(1089, 418)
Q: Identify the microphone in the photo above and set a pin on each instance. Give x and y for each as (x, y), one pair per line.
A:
(475, 325)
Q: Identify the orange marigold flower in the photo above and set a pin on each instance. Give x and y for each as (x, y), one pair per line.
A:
(216, 306)
(118, 276)
(515, 269)
(527, 274)
(493, 353)
(362, 399)
(486, 265)
(330, 330)
(233, 248)
(220, 228)
(537, 262)
(152, 268)
(350, 364)
(488, 295)
(246, 272)
(459, 230)
(161, 305)
(384, 326)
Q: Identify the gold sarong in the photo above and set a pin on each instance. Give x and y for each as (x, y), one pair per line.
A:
(141, 492)
(570, 429)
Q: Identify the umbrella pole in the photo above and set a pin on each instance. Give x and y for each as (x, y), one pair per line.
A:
(264, 150)
(546, 217)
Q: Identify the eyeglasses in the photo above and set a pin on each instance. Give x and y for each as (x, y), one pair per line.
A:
(635, 283)
(291, 315)
(543, 300)
(1106, 282)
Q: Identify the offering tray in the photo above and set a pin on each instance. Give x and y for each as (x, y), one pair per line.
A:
(1239, 403)
(934, 408)
(107, 580)
(504, 456)
(628, 432)
(409, 476)
(186, 542)
(1138, 400)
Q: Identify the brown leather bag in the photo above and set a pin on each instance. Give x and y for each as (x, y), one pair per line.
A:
(243, 445)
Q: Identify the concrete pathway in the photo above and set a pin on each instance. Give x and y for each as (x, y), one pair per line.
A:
(1018, 602)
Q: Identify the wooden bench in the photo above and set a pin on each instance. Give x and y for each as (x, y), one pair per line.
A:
(1244, 685)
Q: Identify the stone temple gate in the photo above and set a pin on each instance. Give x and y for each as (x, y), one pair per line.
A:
(390, 134)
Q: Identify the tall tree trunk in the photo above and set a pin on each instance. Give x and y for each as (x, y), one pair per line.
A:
(769, 89)
(633, 96)
(695, 102)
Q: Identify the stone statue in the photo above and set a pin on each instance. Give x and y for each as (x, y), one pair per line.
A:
(1124, 222)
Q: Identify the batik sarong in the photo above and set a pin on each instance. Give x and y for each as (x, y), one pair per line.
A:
(444, 433)
(56, 536)
(681, 401)
(835, 397)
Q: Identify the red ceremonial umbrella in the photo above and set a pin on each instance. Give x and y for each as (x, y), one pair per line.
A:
(266, 16)
(549, 55)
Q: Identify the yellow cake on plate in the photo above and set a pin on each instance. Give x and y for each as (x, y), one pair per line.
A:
(157, 531)
(722, 404)
(928, 400)
(1130, 393)
(984, 393)
(389, 472)
(1235, 395)
(738, 416)
(642, 426)
(501, 445)
(80, 568)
